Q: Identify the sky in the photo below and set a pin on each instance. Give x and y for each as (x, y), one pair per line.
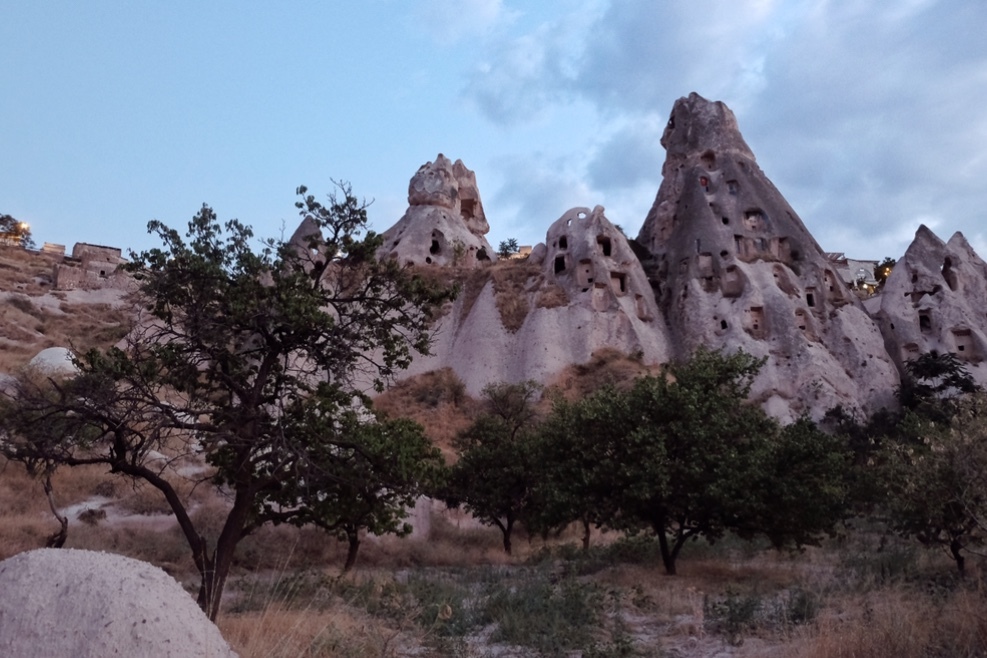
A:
(870, 118)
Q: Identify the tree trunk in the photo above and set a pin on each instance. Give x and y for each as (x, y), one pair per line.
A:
(56, 540)
(354, 540)
(217, 569)
(586, 531)
(505, 530)
(667, 556)
(955, 547)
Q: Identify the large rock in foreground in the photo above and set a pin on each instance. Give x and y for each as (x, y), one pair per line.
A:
(63, 603)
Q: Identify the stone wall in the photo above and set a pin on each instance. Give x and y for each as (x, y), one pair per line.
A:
(90, 267)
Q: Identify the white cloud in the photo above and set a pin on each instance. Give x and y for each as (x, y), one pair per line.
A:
(450, 22)
(537, 189)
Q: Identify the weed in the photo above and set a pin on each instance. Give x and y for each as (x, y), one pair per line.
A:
(732, 615)
(890, 562)
(548, 615)
(800, 607)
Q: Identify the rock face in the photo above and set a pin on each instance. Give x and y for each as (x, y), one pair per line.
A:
(592, 261)
(582, 291)
(934, 300)
(734, 267)
(444, 224)
(65, 603)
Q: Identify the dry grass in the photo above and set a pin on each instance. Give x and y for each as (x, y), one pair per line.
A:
(25, 272)
(437, 400)
(606, 366)
(901, 623)
(278, 632)
(513, 282)
(472, 286)
(27, 327)
(552, 295)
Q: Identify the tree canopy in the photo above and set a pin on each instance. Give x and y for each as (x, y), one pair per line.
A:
(496, 470)
(685, 455)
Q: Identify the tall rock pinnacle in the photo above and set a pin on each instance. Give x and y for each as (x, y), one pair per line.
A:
(736, 268)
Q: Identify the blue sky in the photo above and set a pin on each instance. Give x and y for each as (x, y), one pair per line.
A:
(870, 120)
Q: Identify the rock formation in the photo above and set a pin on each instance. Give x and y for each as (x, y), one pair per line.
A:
(53, 362)
(66, 603)
(444, 224)
(735, 268)
(726, 263)
(581, 292)
(934, 300)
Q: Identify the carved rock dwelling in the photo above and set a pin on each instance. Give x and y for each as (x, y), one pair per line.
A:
(722, 260)
(934, 300)
(734, 267)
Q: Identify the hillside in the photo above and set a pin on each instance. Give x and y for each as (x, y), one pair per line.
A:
(34, 317)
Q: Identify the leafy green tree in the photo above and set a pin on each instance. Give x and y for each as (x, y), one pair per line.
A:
(685, 455)
(496, 471)
(703, 437)
(937, 484)
(255, 357)
(932, 385)
(508, 248)
(802, 487)
(12, 230)
(371, 474)
(579, 470)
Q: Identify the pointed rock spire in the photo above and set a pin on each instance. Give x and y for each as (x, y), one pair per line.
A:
(934, 299)
(735, 267)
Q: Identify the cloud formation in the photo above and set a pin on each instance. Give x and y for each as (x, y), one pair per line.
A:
(869, 119)
(450, 22)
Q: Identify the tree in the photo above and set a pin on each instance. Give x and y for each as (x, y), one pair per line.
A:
(495, 474)
(376, 472)
(13, 231)
(699, 440)
(937, 484)
(580, 455)
(802, 486)
(932, 385)
(508, 248)
(685, 455)
(257, 361)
